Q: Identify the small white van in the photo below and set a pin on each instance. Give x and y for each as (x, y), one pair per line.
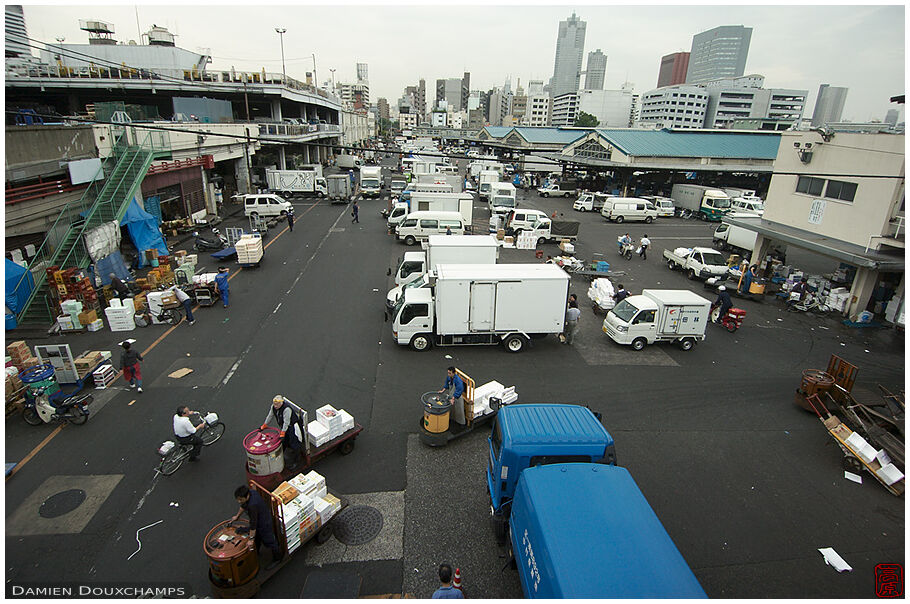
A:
(265, 204)
(418, 226)
(752, 205)
(664, 205)
(620, 209)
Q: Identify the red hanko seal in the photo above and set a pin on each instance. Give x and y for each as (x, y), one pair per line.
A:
(889, 580)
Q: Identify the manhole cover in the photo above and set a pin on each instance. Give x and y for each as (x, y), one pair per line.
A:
(62, 503)
(357, 524)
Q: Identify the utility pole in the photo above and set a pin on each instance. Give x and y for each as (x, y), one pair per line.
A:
(315, 78)
(281, 31)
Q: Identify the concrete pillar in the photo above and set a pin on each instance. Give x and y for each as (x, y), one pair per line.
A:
(760, 250)
(276, 110)
(282, 158)
(208, 193)
(242, 175)
(865, 281)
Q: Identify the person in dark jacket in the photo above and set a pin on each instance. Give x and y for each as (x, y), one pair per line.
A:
(455, 387)
(260, 522)
(290, 426)
(129, 364)
(723, 301)
(123, 291)
(291, 220)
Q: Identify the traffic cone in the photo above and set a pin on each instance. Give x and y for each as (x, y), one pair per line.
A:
(456, 583)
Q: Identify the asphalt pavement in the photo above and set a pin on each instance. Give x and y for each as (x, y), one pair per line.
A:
(747, 484)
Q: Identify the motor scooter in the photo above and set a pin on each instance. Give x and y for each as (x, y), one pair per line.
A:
(201, 244)
(41, 409)
(731, 320)
(625, 249)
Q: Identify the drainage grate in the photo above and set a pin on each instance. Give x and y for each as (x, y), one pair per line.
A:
(357, 524)
(62, 503)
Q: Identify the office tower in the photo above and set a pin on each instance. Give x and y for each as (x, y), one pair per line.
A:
(570, 44)
(829, 105)
(362, 73)
(673, 69)
(16, 34)
(596, 71)
(465, 90)
(719, 53)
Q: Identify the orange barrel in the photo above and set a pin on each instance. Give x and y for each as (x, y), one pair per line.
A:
(264, 453)
(815, 381)
(231, 561)
(435, 412)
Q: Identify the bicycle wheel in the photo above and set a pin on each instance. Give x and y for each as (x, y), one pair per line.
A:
(171, 316)
(173, 460)
(212, 433)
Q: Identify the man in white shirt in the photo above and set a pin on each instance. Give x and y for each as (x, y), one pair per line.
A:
(187, 302)
(645, 243)
(572, 316)
(186, 432)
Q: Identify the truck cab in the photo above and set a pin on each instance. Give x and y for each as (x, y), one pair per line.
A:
(502, 197)
(658, 315)
(590, 202)
(485, 183)
(397, 184)
(751, 205)
(371, 181)
(529, 435)
(397, 215)
(411, 266)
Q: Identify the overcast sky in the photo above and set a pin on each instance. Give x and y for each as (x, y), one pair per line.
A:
(860, 47)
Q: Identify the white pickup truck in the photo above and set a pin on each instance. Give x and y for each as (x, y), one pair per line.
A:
(556, 191)
(697, 262)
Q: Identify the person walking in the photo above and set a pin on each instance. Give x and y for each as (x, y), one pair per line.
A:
(748, 277)
(355, 212)
(129, 364)
(644, 244)
(572, 317)
(455, 385)
(446, 591)
(621, 293)
(221, 284)
(260, 522)
(187, 302)
(291, 220)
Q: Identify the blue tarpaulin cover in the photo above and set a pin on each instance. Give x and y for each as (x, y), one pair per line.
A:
(143, 230)
(16, 297)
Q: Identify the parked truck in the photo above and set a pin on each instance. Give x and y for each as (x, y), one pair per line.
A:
(347, 161)
(730, 237)
(485, 183)
(339, 188)
(502, 197)
(658, 315)
(296, 182)
(483, 304)
(454, 181)
(590, 202)
(697, 262)
(444, 202)
(370, 181)
(446, 249)
(556, 190)
(546, 229)
(708, 203)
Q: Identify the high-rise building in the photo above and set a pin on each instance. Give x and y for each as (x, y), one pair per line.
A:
(612, 108)
(362, 72)
(829, 105)
(565, 109)
(596, 71)
(465, 90)
(421, 100)
(719, 53)
(450, 91)
(16, 34)
(680, 106)
(673, 69)
(570, 45)
(535, 87)
(538, 110)
(382, 106)
(892, 116)
(746, 98)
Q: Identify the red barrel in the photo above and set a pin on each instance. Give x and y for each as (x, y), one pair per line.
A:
(264, 453)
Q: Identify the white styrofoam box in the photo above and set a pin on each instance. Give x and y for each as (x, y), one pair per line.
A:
(328, 416)
(317, 430)
(488, 389)
(323, 508)
(128, 303)
(115, 303)
(96, 325)
(65, 321)
(347, 420)
(121, 325)
(315, 477)
(191, 258)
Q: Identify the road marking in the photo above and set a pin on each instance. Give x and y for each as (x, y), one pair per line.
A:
(35, 451)
(231, 372)
(277, 307)
(130, 404)
(316, 251)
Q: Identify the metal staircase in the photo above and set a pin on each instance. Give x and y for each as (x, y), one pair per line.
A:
(106, 199)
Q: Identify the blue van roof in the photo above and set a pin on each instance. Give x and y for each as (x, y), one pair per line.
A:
(542, 424)
(594, 535)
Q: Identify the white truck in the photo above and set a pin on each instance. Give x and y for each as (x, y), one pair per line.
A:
(545, 230)
(371, 181)
(348, 161)
(749, 204)
(708, 203)
(481, 165)
(536, 163)
(442, 249)
(730, 237)
(455, 182)
(339, 186)
(590, 202)
(485, 183)
(483, 304)
(444, 202)
(697, 262)
(556, 190)
(296, 182)
(502, 197)
(658, 315)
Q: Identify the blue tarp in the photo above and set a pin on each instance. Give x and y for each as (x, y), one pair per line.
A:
(143, 230)
(17, 297)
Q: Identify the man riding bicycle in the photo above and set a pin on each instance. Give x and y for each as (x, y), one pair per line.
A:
(186, 433)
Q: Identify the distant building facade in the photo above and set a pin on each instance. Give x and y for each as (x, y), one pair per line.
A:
(570, 44)
(674, 107)
(673, 68)
(596, 70)
(719, 53)
(829, 105)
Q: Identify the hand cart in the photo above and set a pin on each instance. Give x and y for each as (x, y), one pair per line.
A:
(441, 439)
(204, 295)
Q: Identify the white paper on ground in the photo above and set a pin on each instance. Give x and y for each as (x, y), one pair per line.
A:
(833, 559)
(854, 477)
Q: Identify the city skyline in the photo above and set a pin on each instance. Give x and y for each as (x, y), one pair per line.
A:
(783, 49)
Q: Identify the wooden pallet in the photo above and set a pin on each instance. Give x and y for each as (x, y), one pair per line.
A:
(841, 433)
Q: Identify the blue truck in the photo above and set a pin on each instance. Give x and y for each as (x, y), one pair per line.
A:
(577, 524)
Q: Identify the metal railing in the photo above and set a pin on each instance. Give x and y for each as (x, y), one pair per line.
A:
(282, 129)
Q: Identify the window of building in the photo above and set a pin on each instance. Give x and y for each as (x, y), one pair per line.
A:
(844, 191)
(809, 185)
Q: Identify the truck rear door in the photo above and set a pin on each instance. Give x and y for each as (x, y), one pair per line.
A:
(670, 320)
(483, 304)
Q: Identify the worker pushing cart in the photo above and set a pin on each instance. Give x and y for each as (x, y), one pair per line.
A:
(288, 418)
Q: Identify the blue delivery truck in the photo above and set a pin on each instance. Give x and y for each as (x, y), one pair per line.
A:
(577, 525)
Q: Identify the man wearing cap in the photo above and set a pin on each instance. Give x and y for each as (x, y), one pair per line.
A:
(723, 301)
(288, 421)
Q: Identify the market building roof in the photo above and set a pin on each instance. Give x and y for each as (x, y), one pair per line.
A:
(707, 143)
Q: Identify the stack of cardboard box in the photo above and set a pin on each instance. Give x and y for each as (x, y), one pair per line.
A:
(87, 362)
(21, 356)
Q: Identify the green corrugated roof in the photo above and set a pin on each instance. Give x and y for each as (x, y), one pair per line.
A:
(673, 143)
(550, 135)
(498, 131)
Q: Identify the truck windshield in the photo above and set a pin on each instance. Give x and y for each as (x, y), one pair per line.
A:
(721, 203)
(485, 187)
(625, 310)
(369, 183)
(713, 259)
(504, 202)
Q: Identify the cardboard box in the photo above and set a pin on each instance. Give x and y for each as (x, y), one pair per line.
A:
(18, 350)
(286, 493)
(168, 299)
(87, 317)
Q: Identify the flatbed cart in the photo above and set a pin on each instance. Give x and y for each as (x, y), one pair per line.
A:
(238, 570)
(591, 275)
(204, 295)
(343, 443)
(435, 428)
(853, 461)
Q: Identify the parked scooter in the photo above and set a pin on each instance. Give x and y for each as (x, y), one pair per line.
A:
(42, 410)
(201, 244)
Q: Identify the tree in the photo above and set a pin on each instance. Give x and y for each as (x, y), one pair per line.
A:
(586, 120)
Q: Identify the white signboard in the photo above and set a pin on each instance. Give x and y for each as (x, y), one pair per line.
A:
(85, 170)
(817, 211)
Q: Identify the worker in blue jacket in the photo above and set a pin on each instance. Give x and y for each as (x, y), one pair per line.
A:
(455, 385)
(221, 284)
(261, 530)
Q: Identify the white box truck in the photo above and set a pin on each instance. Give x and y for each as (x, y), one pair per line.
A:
(347, 161)
(658, 315)
(456, 182)
(444, 202)
(339, 186)
(502, 197)
(370, 181)
(296, 182)
(485, 183)
(443, 249)
(730, 237)
(706, 202)
(483, 304)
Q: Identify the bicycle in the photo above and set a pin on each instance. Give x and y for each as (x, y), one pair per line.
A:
(174, 454)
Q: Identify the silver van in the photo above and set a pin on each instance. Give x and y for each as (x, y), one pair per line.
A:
(418, 226)
(265, 204)
(620, 209)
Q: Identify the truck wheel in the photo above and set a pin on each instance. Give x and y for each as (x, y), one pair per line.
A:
(541, 241)
(320, 194)
(686, 343)
(284, 213)
(581, 209)
(671, 265)
(619, 219)
(346, 447)
(514, 343)
(420, 342)
(639, 343)
(544, 194)
(691, 274)
(648, 219)
(409, 240)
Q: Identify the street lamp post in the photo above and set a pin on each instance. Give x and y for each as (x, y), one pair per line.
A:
(281, 31)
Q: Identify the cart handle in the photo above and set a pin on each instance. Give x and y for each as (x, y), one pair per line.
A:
(820, 404)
